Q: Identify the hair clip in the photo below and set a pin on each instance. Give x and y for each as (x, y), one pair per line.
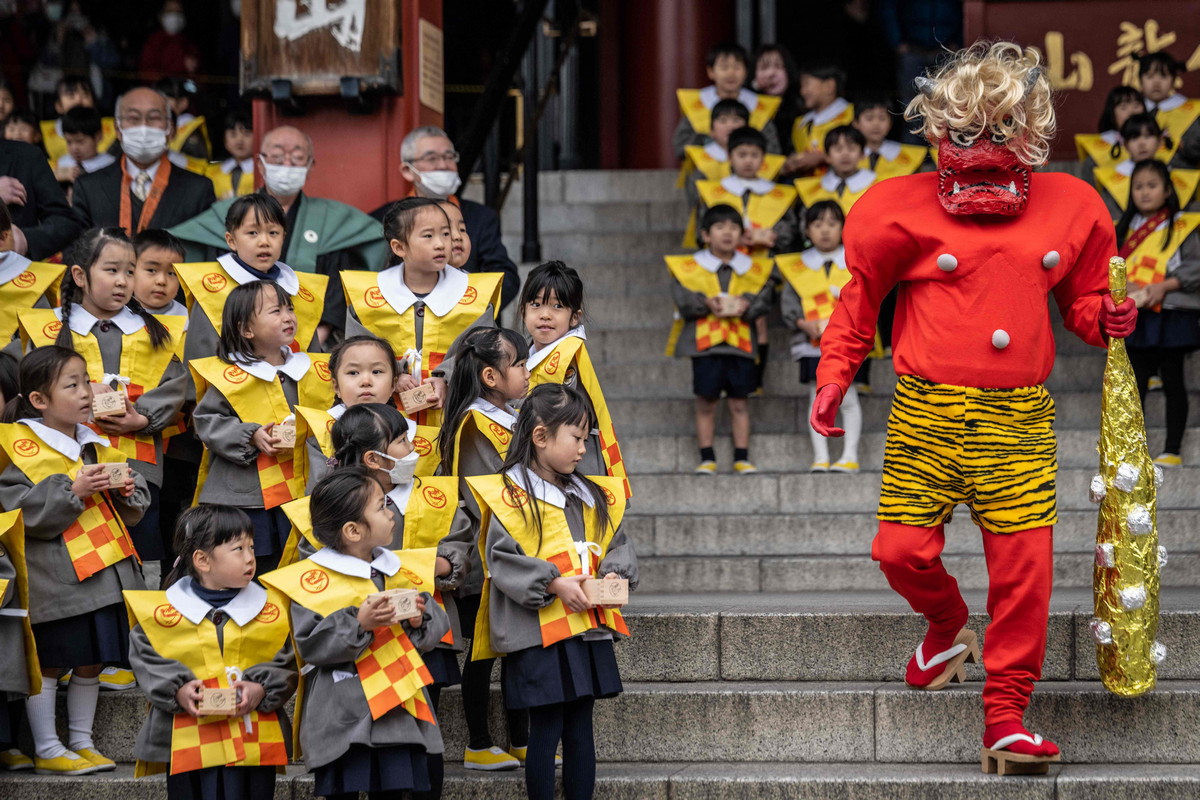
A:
(331, 462)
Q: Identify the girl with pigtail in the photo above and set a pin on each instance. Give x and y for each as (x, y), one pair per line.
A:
(127, 350)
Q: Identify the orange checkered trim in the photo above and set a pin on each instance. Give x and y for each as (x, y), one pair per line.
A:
(712, 331)
(393, 673)
(96, 539)
(276, 475)
(204, 742)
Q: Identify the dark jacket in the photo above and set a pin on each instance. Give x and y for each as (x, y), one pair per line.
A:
(97, 198)
(46, 219)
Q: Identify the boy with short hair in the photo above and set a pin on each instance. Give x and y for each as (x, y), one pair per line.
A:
(70, 92)
(885, 157)
(766, 206)
(234, 176)
(155, 284)
(845, 181)
(1178, 116)
(81, 129)
(821, 87)
(718, 294)
(21, 126)
(728, 66)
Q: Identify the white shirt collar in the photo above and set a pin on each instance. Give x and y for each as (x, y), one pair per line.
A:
(1170, 104)
(384, 560)
(287, 275)
(855, 183)
(242, 609)
(533, 483)
(11, 265)
(228, 164)
(399, 496)
(815, 259)
(538, 354)
(1124, 167)
(98, 161)
(450, 287)
(502, 416)
(887, 151)
(739, 186)
(295, 366)
(71, 448)
(82, 320)
(337, 411)
(740, 262)
(824, 115)
(132, 169)
(171, 309)
(1111, 137)
(177, 159)
(716, 152)
(747, 97)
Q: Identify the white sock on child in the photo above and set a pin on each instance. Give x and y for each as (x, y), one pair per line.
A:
(820, 444)
(40, 710)
(851, 423)
(82, 695)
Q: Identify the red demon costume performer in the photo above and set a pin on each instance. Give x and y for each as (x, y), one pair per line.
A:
(975, 249)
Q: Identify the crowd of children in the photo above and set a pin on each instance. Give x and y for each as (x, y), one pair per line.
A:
(231, 530)
(780, 160)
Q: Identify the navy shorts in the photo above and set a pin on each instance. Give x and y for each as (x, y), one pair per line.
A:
(733, 376)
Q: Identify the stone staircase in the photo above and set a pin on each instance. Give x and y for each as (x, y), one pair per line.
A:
(767, 649)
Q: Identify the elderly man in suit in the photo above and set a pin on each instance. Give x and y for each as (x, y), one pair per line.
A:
(43, 222)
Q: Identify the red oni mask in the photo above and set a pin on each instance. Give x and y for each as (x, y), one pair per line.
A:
(981, 178)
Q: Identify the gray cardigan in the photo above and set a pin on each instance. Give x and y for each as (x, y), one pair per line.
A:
(519, 582)
(691, 306)
(336, 714)
(13, 679)
(1188, 275)
(48, 509)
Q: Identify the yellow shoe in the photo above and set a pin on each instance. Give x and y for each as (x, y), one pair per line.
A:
(863, 388)
(744, 468)
(819, 466)
(490, 760)
(68, 763)
(706, 468)
(1155, 384)
(519, 754)
(1169, 460)
(115, 679)
(15, 761)
(103, 763)
(849, 467)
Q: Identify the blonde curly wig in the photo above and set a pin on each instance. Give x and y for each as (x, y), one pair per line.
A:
(990, 89)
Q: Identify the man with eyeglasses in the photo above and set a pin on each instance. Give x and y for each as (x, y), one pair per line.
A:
(143, 189)
(429, 161)
(323, 236)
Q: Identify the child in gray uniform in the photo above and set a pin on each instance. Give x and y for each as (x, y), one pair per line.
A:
(246, 647)
(353, 738)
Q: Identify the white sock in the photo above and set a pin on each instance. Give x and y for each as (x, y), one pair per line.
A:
(40, 710)
(852, 424)
(82, 694)
(820, 444)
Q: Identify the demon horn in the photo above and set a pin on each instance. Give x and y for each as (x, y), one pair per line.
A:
(924, 85)
(1031, 79)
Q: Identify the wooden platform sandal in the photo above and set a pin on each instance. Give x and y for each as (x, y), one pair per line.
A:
(965, 649)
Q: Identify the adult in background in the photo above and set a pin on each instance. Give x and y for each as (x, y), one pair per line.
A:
(323, 236)
(143, 189)
(43, 222)
(429, 161)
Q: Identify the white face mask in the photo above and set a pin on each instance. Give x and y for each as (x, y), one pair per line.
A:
(144, 144)
(402, 468)
(440, 183)
(173, 22)
(284, 180)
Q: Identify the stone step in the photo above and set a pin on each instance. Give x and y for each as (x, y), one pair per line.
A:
(792, 452)
(755, 721)
(706, 781)
(582, 247)
(665, 216)
(777, 414)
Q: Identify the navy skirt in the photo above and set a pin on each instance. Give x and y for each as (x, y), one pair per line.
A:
(146, 536)
(374, 769)
(97, 637)
(222, 783)
(808, 368)
(560, 673)
(271, 529)
(1170, 327)
(443, 666)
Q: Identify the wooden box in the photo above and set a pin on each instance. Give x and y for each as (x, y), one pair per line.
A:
(217, 702)
(107, 404)
(285, 432)
(117, 473)
(404, 601)
(727, 305)
(607, 591)
(418, 399)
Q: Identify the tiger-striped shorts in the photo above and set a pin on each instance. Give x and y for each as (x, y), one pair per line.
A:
(992, 450)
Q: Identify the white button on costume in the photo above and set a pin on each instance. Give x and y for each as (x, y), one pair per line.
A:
(1000, 339)
(1050, 260)
(947, 262)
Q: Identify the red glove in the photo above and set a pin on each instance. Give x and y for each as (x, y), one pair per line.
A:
(824, 413)
(1117, 321)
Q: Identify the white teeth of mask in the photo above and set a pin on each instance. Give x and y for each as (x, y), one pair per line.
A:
(956, 189)
(1012, 186)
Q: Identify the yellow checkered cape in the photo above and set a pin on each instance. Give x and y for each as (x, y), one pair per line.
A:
(12, 547)
(140, 362)
(207, 283)
(1117, 185)
(763, 211)
(428, 517)
(390, 669)
(319, 424)
(215, 741)
(22, 292)
(255, 400)
(1147, 264)
(97, 538)
(910, 158)
(493, 431)
(713, 330)
(811, 136)
(818, 292)
(510, 506)
(700, 115)
(1176, 123)
(570, 359)
(437, 333)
